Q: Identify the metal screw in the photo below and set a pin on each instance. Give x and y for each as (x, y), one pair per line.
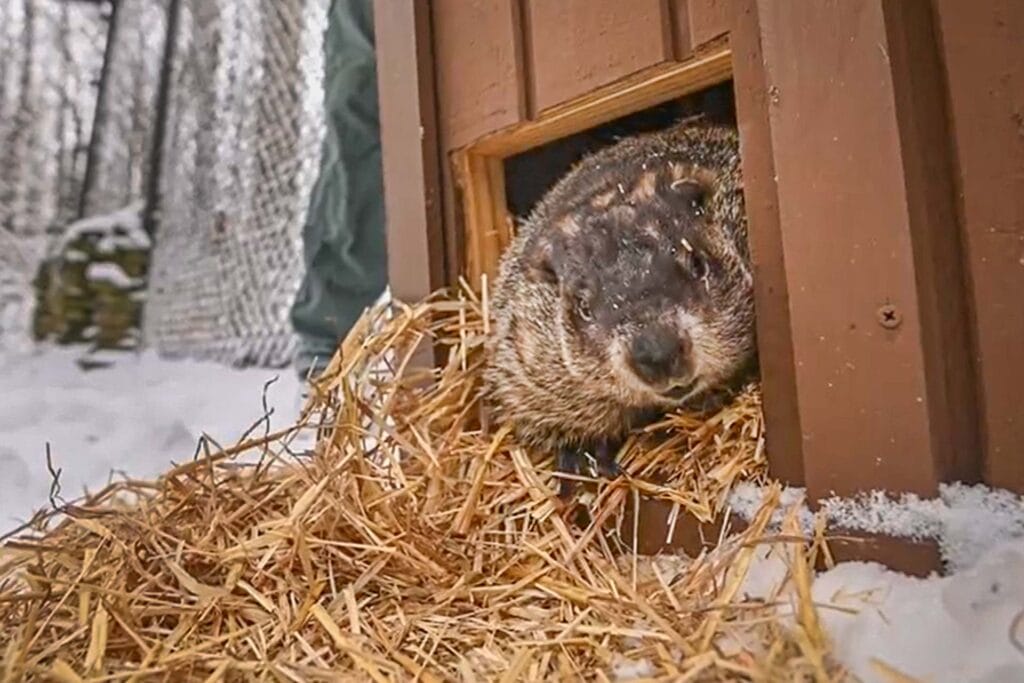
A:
(889, 316)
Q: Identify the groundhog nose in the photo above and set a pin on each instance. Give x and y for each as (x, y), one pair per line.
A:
(658, 354)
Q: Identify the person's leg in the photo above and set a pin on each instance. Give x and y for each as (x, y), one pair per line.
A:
(344, 243)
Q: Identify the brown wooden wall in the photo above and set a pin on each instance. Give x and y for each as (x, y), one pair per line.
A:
(502, 62)
(883, 155)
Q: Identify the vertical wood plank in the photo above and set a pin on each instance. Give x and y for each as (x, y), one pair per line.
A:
(774, 337)
(857, 244)
(983, 46)
(920, 99)
(575, 46)
(409, 149)
(679, 16)
(478, 58)
(707, 20)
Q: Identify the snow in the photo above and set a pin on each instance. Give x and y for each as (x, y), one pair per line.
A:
(965, 520)
(117, 229)
(963, 628)
(967, 627)
(112, 274)
(136, 417)
(627, 670)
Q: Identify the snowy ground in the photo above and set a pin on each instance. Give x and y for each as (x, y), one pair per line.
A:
(135, 417)
(964, 628)
(887, 627)
(967, 627)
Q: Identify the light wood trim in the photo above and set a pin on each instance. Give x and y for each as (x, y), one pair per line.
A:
(502, 226)
(481, 180)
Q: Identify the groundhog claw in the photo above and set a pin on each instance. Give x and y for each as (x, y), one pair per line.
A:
(604, 459)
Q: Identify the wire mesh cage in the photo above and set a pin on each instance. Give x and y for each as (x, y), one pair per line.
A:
(240, 156)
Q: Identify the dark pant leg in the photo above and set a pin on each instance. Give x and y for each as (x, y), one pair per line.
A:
(344, 243)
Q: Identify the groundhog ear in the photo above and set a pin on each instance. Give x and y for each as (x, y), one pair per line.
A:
(691, 191)
(539, 260)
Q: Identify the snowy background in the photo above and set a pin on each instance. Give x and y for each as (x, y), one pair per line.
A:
(209, 207)
(223, 185)
(198, 224)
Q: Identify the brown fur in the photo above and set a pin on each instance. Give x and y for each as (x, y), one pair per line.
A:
(609, 249)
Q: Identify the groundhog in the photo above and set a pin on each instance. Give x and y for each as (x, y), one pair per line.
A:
(626, 293)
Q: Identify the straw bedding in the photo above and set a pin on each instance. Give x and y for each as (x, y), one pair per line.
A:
(412, 544)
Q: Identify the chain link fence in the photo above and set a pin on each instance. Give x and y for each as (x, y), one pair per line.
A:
(231, 162)
(240, 157)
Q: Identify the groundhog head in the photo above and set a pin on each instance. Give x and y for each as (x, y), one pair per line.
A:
(653, 282)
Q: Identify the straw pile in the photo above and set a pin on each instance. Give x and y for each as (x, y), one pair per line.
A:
(411, 545)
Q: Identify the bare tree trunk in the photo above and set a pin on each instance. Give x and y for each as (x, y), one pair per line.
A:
(64, 155)
(78, 148)
(18, 183)
(5, 55)
(140, 117)
(16, 143)
(25, 113)
(163, 102)
(102, 104)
